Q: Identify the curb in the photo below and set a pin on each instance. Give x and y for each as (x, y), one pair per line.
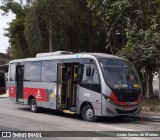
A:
(146, 118)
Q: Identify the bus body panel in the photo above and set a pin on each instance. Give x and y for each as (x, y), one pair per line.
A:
(109, 109)
(51, 91)
(94, 98)
(12, 82)
(12, 91)
(48, 95)
(42, 92)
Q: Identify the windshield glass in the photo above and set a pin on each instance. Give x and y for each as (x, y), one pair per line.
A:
(119, 73)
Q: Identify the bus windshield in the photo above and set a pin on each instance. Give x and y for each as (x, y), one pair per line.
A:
(119, 74)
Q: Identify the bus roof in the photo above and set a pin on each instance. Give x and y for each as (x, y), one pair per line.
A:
(68, 56)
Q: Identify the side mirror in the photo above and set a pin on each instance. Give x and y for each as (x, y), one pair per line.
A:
(93, 70)
(80, 72)
(88, 71)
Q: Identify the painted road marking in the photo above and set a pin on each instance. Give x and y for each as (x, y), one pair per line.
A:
(96, 139)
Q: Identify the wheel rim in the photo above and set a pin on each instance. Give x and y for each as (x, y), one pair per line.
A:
(33, 106)
(89, 113)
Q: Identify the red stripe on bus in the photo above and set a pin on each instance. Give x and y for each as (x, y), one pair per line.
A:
(115, 99)
(38, 93)
(12, 92)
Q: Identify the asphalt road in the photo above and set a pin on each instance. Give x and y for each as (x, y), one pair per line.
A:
(17, 117)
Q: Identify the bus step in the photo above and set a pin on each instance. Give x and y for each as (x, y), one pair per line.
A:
(68, 111)
(73, 109)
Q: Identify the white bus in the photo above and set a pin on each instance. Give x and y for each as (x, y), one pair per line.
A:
(91, 84)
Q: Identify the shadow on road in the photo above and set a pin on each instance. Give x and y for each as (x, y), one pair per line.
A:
(2, 97)
(107, 120)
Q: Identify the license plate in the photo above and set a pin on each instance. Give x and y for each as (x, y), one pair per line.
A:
(128, 108)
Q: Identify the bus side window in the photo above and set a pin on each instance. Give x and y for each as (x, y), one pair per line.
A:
(32, 71)
(49, 71)
(93, 77)
(12, 72)
(90, 80)
(80, 72)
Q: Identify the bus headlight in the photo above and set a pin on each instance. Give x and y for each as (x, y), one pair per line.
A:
(109, 100)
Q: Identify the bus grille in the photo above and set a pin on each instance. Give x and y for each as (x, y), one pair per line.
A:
(126, 112)
(127, 97)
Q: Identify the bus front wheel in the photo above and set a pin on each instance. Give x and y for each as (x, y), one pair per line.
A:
(33, 106)
(88, 114)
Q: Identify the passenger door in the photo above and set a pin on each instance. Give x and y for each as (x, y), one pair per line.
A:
(19, 83)
(67, 86)
(89, 87)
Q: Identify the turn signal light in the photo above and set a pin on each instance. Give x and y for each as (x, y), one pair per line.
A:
(109, 100)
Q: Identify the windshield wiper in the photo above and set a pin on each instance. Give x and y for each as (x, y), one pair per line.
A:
(120, 76)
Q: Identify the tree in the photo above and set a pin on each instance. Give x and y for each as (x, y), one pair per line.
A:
(15, 32)
(146, 58)
(114, 15)
(132, 29)
(68, 25)
(70, 22)
(142, 33)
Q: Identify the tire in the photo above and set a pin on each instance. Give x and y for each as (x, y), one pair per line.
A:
(88, 114)
(33, 106)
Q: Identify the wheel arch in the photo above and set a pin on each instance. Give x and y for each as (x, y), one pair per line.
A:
(30, 98)
(85, 103)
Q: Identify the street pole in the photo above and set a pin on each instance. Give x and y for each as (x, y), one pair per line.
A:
(159, 81)
(50, 37)
(147, 94)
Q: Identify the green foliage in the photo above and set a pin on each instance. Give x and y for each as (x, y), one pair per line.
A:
(127, 21)
(70, 23)
(129, 28)
(145, 55)
(114, 15)
(133, 31)
(15, 32)
(142, 33)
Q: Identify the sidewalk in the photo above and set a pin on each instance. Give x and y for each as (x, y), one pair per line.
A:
(147, 116)
(150, 114)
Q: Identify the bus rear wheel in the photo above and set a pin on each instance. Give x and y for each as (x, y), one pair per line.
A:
(33, 106)
(88, 114)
